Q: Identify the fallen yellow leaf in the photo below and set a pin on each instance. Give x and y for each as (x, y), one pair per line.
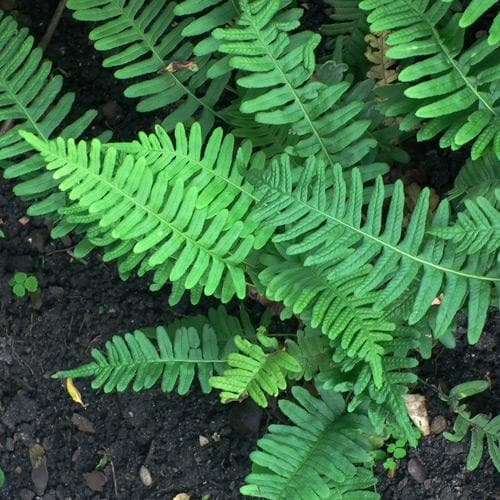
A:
(74, 392)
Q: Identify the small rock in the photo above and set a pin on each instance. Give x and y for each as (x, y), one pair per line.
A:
(416, 470)
(181, 496)
(82, 423)
(25, 494)
(216, 437)
(438, 425)
(203, 441)
(145, 476)
(39, 471)
(76, 455)
(95, 480)
(56, 292)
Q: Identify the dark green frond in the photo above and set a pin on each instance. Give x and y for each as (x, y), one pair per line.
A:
(276, 68)
(331, 231)
(255, 370)
(450, 89)
(148, 44)
(32, 97)
(180, 210)
(321, 454)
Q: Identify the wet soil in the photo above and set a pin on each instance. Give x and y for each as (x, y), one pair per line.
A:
(83, 303)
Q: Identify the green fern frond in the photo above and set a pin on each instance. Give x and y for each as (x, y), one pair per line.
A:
(146, 41)
(330, 230)
(349, 22)
(332, 306)
(155, 212)
(319, 455)
(483, 429)
(478, 178)
(31, 96)
(174, 355)
(254, 372)
(453, 90)
(474, 11)
(277, 68)
(477, 227)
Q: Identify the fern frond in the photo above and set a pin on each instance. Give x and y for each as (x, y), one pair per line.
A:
(331, 231)
(254, 372)
(276, 69)
(319, 455)
(332, 306)
(349, 22)
(179, 210)
(474, 11)
(478, 178)
(31, 96)
(453, 90)
(483, 429)
(173, 355)
(477, 227)
(145, 41)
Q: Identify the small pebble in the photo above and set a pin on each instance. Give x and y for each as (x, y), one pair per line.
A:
(416, 470)
(145, 476)
(438, 425)
(203, 440)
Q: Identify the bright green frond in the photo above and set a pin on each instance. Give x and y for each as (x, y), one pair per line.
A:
(148, 44)
(320, 455)
(331, 231)
(180, 210)
(31, 97)
(451, 89)
(255, 370)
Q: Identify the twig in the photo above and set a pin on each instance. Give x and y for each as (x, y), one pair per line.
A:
(53, 24)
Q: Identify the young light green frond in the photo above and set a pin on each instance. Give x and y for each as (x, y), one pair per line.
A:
(146, 42)
(331, 231)
(255, 371)
(477, 227)
(153, 220)
(331, 306)
(477, 8)
(484, 430)
(319, 455)
(452, 90)
(32, 97)
(277, 66)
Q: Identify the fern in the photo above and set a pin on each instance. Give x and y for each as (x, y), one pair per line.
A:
(482, 428)
(31, 97)
(151, 214)
(277, 68)
(454, 91)
(174, 355)
(329, 230)
(319, 455)
(146, 40)
(254, 372)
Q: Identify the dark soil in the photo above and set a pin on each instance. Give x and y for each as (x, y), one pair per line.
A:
(83, 303)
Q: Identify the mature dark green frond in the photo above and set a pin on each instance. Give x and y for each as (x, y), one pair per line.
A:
(277, 68)
(331, 231)
(477, 227)
(31, 96)
(451, 90)
(178, 210)
(147, 42)
(255, 370)
(321, 454)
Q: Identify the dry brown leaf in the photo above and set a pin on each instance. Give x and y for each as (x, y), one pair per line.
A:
(416, 406)
(384, 70)
(437, 301)
(24, 220)
(74, 392)
(175, 66)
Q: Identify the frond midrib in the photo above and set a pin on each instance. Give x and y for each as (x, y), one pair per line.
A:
(384, 244)
(292, 90)
(452, 61)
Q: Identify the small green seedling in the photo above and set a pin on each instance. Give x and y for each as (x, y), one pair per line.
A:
(395, 451)
(2, 478)
(22, 283)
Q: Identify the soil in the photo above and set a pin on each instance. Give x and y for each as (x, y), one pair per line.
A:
(83, 303)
